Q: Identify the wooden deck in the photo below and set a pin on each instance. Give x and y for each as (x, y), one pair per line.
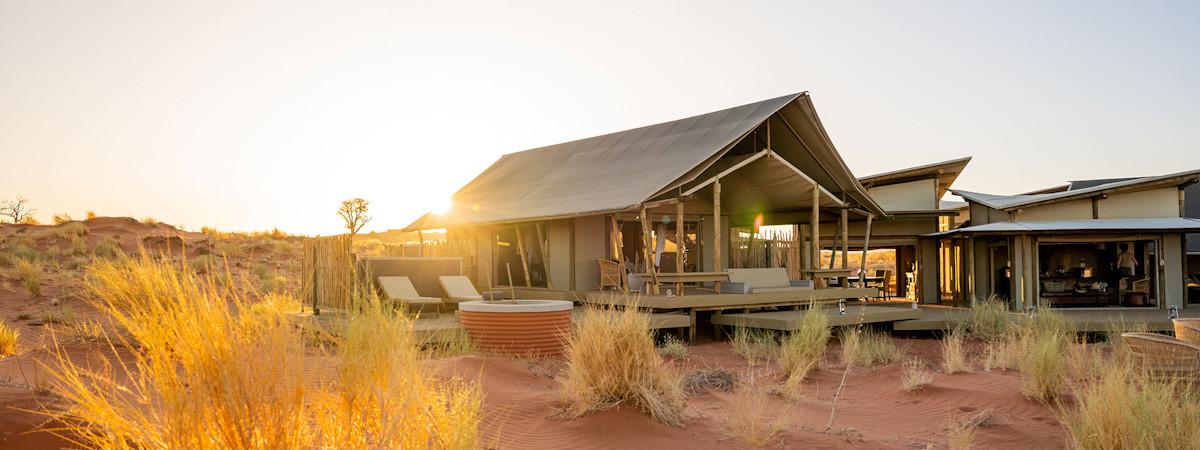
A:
(708, 301)
(435, 329)
(940, 318)
(791, 320)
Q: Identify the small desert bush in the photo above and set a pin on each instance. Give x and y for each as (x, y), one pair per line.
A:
(1004, 354)
(78, 245)
(611, 359)
(228, 248)
(8, 340)
(30, 274)
(108, 248)
(64, 315)
(915, 376)
(150, 221)
(72, 229)
(865, 347)
(989, 319)
(207, 263)
(1043, 360)
(804, 349)
(954, 352)
(1125, 409)
(751, 418)
(60, 219)
(212, 370)
(672, 347)
(90, 215)
(754, 344)
(16, 251)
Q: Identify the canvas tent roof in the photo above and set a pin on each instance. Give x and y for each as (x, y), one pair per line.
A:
(945, 172)
(1008, 202)
(619, 171)
(1177, 224)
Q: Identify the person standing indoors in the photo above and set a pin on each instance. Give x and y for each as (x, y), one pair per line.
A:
(1126, 261)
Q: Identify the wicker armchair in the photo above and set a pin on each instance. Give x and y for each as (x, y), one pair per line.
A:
(610, 274)
(1187, 330)
(1164, 356)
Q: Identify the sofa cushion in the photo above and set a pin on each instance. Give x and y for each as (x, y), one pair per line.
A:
(761, 278)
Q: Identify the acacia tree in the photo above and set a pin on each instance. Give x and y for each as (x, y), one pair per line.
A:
(17, 210)
(354, 213)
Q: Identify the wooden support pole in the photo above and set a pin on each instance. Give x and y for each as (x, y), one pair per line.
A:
(680, 238)
(545, 253)
(420, 243)
(845, 281)
(815, 224)
(717, 265)
(571, 254)
(833, 246)
(618, 252)
(652, 283)
(862, 263)
(524, 258)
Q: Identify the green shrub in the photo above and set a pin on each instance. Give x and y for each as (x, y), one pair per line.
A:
(989, 319)
(108, 248)
(72, 230)
(673, 348)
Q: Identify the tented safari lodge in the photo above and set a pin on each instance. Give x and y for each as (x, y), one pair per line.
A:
(745, 212)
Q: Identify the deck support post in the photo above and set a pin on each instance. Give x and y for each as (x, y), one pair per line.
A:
(652, 283)
(717, 264)
(844, 281)
(815, 224)
(692, 328)
(544, 251)
(524, 258)
(680, 238)
(618, 253)
(862, 263)
(571, 254)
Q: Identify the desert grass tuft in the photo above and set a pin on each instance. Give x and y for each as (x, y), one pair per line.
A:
(1125, 409)
(1003, 354)
(212, 370)
(803, 350)
(30, 273)
(954, 352)
(1043, 361)
(611, 359)
(108, 248)
(751, 417)
(915, 376)
(672, 347)
(754, 344)
(865, 347)
(989, 319)
(8, 340)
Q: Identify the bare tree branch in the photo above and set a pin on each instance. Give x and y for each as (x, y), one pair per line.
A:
(354, 213)
(16, 210)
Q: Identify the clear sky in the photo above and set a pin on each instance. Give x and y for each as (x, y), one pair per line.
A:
(248, 117)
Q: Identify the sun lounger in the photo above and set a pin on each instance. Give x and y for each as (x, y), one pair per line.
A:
(459, 289)
(1164, 356)
(1187, 330)
(400, 290)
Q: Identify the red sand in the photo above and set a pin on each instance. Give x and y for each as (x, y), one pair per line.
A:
(521, 407)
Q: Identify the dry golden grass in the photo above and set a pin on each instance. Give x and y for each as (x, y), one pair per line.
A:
(754, 344)
(864, 347)
(1043, 361)
(611, 359)
(1125, 409)
(751, 419)
(915, 376)
(954, 352)
(672, 347)
(29, 271)
(989, 319)
(212, 370)
(108, 248)
(8, 340)
(1004, 354)
(804, 349)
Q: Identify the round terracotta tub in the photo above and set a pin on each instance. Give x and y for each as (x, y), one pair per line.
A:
(517, 327)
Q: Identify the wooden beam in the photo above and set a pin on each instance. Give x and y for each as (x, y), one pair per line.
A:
(618, 251)
(862, 264)
(524, 259)
(717, 266)
(646, 255)
(844, 281)
(680, 238)
(545, 253)
(571, 254)
(815, 224)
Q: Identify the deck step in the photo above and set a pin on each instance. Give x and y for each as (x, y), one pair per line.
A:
(791, 320)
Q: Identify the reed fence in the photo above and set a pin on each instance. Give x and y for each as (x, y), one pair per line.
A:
(328, 272)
